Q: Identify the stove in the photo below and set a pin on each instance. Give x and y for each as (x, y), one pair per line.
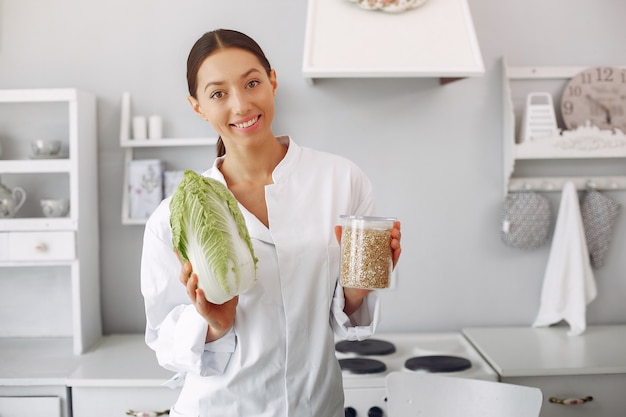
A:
(366, 364)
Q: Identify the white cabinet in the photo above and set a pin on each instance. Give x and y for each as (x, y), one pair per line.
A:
(582, 144)
(589, 367)
(175, 153)
(50, 265)
(121, 373)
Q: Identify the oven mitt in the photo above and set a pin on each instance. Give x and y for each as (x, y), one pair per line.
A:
(599, 214)
(526, 219)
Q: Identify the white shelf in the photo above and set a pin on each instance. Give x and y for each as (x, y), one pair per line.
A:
(80, 318)
(584, 143)
(435, 40)
(25, 166)
(40, 95)
(38, 224)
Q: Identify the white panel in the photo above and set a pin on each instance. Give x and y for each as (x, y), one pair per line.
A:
(35, 301)
(30, 406)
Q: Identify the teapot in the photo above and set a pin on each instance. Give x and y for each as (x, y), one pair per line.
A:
(9, 202)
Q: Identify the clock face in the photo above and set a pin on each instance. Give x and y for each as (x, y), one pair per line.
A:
(597, 95)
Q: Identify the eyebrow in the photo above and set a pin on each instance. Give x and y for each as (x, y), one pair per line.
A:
(244, 75)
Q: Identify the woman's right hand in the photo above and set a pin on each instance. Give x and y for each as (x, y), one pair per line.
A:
(220, 317)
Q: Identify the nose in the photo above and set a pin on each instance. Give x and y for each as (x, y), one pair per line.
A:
(239, 101)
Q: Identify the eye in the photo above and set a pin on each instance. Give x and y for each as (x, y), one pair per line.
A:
(252, 83)
(217, 95)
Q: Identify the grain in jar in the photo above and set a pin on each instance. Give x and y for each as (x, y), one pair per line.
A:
(366, 260)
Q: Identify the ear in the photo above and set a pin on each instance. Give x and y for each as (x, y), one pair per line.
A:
(273, 81)
(195, 105)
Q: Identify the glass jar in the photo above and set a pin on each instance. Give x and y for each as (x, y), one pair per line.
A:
(366, 256)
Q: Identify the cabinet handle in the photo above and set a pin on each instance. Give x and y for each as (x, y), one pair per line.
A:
(146, 413)
(41, 247)
(571, 401)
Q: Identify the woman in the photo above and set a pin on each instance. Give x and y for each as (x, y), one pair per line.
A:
(269, 351)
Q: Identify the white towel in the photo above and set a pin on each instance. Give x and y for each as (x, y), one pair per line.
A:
(568, 284)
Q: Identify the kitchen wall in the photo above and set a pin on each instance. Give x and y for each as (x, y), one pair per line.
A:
(434, 153)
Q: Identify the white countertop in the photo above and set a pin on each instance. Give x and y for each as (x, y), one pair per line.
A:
(119, 361)
(527, 351)
(113, 361)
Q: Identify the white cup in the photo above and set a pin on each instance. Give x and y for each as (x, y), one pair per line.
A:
(155, 127)
(140, 127)
(55, 207)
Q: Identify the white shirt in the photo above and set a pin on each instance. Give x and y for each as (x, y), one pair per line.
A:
(278, 359)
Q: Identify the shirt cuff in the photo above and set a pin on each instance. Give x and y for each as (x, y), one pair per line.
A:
(217, 354)
(362, 323)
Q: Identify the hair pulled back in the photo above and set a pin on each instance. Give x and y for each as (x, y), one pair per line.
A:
(211, 42)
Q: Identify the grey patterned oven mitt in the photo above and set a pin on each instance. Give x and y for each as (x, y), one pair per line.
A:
(599, 214)
(526, 220)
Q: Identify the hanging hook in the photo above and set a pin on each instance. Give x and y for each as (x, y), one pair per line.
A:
(591, 185)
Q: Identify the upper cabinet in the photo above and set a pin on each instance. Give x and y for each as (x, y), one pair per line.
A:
(434, 40)
(49, 262)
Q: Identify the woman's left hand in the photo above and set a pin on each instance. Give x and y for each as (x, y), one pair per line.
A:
(354, 296)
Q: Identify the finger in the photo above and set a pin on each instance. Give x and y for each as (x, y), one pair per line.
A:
(396, 256)
(192, 285)
(338, 233)
(202, 304)
(185, 272)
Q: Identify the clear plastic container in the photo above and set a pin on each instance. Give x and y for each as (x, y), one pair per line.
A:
(366, 260)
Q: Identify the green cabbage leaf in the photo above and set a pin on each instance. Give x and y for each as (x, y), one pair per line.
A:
(209, 230)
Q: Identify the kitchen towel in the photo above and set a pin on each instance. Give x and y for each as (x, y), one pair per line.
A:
(568, 284)
(599, 214)
(526, 220)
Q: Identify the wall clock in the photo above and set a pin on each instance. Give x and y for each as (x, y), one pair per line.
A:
(597, 95)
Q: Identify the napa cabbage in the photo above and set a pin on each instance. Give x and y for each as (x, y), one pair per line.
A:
(209, 230)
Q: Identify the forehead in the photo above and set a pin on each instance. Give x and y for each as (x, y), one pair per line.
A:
(228, 62)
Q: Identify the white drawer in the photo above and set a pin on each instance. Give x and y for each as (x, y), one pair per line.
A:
(114, 401)
(30, 406)
(41, 246)
(607, 390)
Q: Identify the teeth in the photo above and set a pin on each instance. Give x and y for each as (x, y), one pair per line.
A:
(247, 124)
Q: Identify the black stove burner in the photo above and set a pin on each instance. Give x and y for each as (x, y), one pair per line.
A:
(438, 363)
(362, 366)
(365, 347)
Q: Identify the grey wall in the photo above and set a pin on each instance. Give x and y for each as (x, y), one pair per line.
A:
(433, 152)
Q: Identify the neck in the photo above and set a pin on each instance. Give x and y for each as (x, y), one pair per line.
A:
(252, 164)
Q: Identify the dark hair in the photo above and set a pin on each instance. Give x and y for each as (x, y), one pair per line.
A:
(214, 41)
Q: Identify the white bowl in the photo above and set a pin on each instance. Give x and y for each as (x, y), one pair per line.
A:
(45, 147)
(55, 207)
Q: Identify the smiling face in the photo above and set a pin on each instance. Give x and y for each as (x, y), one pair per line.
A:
(235, 95)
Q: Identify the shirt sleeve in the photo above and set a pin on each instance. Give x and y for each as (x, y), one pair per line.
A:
(362, 323)
(174, 329)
